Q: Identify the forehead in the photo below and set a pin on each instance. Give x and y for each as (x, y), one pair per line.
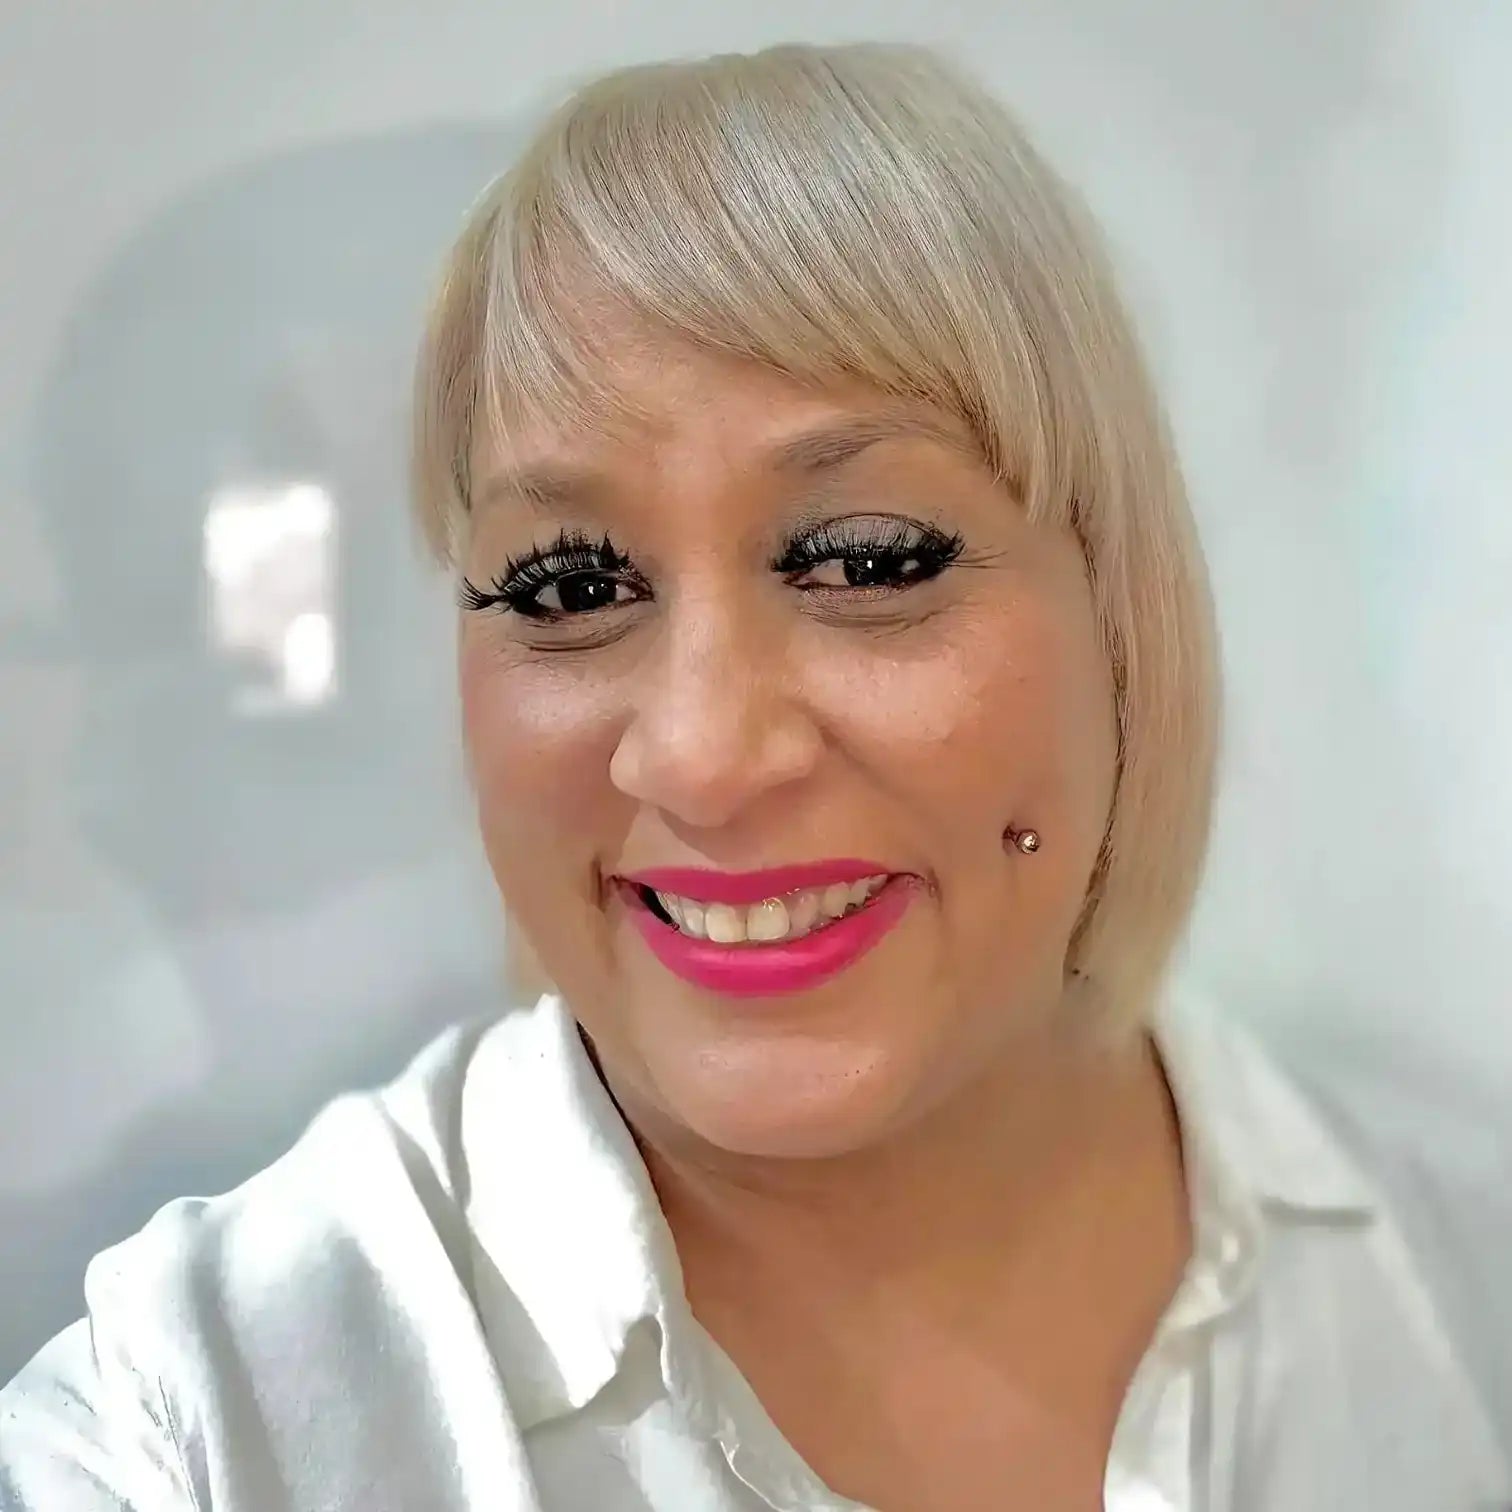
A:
(665, 404)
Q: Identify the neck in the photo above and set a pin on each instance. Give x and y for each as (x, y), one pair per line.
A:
(1049, 1189)
(1047, 1123)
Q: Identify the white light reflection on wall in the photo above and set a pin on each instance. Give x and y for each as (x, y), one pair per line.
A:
(270, 575)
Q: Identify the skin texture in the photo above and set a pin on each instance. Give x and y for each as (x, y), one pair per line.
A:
(911, 1197)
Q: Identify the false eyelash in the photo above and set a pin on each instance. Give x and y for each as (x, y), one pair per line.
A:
(525, 576)
(900, 539)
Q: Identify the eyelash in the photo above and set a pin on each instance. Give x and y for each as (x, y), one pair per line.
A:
(896, 542)
(574, 554)
(892, 548)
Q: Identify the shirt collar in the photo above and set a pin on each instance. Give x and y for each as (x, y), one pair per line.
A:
(571, 1251)
(1251, 1132)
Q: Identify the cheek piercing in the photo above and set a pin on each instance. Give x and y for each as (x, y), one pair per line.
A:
(1027, 841)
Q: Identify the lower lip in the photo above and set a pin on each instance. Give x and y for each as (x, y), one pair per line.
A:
(786, 966)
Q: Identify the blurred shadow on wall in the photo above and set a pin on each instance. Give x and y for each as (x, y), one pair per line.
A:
(263, 756)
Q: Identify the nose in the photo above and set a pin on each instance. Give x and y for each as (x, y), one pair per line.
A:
(716, 721)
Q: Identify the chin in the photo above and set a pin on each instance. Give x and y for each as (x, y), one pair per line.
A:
(795, 1101)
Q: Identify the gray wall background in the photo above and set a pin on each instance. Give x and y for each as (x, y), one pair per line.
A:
(236, 870)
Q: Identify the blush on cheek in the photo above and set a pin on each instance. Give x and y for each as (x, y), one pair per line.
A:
(538, 740)
(1004, 717)
(536, 755)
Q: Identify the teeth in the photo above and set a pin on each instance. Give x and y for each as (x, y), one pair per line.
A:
(803, 912)
(786, 918)
(724, 924)
(768, 921)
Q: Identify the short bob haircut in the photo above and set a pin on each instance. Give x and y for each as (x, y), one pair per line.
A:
(869, 212)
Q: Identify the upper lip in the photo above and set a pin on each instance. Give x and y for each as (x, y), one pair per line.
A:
(705, 886)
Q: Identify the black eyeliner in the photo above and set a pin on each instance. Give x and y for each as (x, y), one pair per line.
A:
(523, 577)
(890, 539)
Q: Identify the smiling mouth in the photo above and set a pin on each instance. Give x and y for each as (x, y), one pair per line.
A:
(779, 920)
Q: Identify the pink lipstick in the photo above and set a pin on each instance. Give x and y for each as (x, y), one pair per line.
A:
(755, 968)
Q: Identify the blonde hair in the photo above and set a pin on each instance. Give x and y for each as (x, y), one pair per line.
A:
(866, 211)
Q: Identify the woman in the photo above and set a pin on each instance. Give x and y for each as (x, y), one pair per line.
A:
(837, 676)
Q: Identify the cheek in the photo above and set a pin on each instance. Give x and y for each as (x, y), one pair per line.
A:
(1003, 714)
(1007, 718)
(1000, 715)
(538, 739)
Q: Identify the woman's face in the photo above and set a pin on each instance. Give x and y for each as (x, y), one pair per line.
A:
(763, 626)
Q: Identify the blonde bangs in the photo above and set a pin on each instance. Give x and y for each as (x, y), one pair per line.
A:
(783, 207)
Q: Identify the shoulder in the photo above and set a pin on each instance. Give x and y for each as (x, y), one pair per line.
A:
(219, 1331)
(365, 1171)
(1436, 1144)
(371, 1184)
(362, 1247)
(1390, 1226)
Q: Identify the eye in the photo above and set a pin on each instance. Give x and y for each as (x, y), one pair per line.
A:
(581, 593)
(869, 570)
(572, 579)
(867, 554)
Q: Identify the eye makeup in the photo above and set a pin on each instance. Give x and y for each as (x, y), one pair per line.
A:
(576, 576)
(872, 551)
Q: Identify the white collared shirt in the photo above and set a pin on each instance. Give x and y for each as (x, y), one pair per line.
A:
(459, 1294)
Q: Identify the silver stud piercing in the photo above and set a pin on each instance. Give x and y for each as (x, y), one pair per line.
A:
(1027, 841)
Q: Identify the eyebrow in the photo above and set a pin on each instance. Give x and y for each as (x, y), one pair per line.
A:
(829, 447)
(553, 488)
(546, 488)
